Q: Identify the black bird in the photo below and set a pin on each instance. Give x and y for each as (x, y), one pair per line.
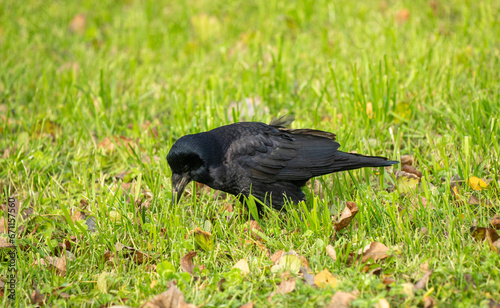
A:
(264, 160)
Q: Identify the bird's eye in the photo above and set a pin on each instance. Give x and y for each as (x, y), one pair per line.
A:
(185, 168)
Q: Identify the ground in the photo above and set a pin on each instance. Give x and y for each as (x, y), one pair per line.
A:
(94, 93)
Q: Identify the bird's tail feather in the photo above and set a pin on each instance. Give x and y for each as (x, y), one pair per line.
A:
(348, 161)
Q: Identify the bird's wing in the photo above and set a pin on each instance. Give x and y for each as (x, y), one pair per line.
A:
(273, 154)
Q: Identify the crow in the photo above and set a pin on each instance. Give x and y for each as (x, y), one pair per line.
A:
(270, 162)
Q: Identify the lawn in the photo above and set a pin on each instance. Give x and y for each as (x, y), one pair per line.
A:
(94, 93)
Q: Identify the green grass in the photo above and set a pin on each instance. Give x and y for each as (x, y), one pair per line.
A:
(432, 81)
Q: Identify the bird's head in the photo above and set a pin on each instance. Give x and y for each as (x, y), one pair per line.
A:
(189, 159)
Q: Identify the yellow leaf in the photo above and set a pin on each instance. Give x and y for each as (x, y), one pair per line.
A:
(477, 183)
(324, 279)
(202, 239)
(369, 110)
(243, 266)
(407, 182)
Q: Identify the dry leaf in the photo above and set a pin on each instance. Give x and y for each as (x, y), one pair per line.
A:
(109, 144)
(387, 281)
(172, 298)
(429, 302)
(492, 238)
(136, 255)
(324, 279)
(382, 303)
(202, 239)
(277, 256)
(350, 210)
(406, 160)
(423, 281)
(37, 298)
(412, 170)
(369, 110)
(341, 300)
(406, 182)
(252, 227)
(78, 23)
(243, 266)
(495, 222)
(286, 286)
(247, 305)
(477, 183)
(54, 262)
(5, 244)
(331, 252)
(402, 16)
(187, 262)
(375, 251)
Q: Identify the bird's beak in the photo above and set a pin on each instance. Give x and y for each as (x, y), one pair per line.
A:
(179, 182)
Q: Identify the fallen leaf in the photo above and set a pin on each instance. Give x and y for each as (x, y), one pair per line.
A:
(109, 144)
(341, 300)
(495, 222)
(247, 305)
(324, 279)
(429, 302)
(406, 160)
(350, 210)
(136, 255)
(375, 251)
(387, 281)
(172, 298)
(309, 278)
(477, 183)
(411, 170)
(54, 262)
(403, 16)
(253, 228)
(5, 244)
(423, 281)
(202, 239)
(382, 303)
(492, 238)
(286, 286)
(37, 298)
(277, 256)
(243, 266)
(369, 110)
(331, 252)
(78, 23)
(406, 182)
(187, 262)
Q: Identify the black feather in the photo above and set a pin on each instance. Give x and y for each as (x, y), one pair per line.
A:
(272, 161)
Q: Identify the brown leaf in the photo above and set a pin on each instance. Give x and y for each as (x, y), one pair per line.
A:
(350, 210)
(37, 298)
(5, 244)
(277, 256)
(247, 305)
(78, 215)
(286, 286)
(406, 160)
(375, 251)
(429, 302)
(493, 304)
(136, 255)
(54, 262)
(252, 227)
(387, 281)
(402, 16)
(412, 170)
(78, 23)
(492, 238)
(172, 298)
(331, 252)
(495, 222)
(423, 281)
(187, 262)
(109, 144)
(341, 300)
